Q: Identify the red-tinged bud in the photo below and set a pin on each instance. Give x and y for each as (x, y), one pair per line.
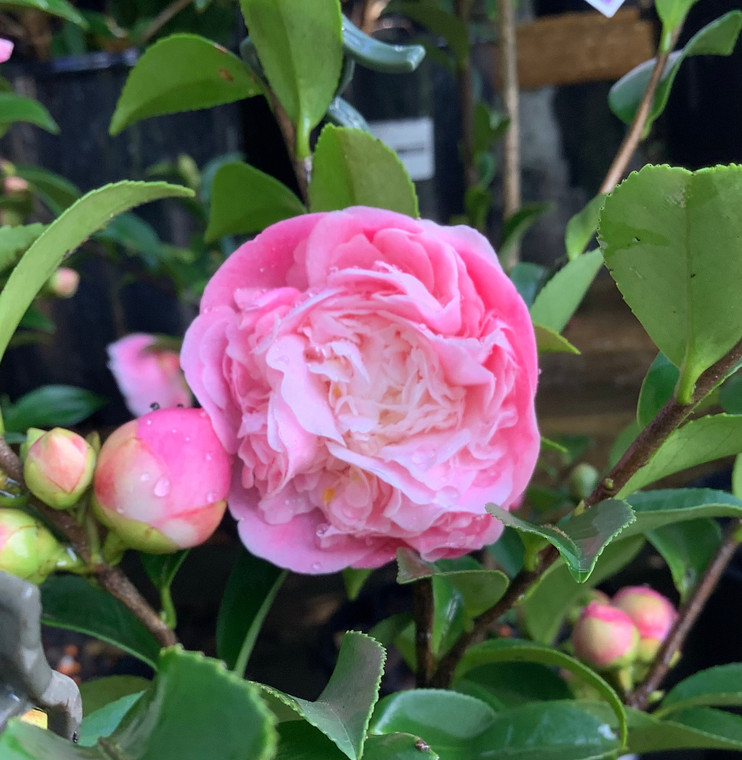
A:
(605, 637)
(59, 467)
(652, 614)
(162, 480)
(27, 549)
(63, 283)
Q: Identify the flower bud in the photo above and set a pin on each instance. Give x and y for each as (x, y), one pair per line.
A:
(27, 549)
(59, 467)
(63, 283)
(6, 48)
(582, 480)
(652, 614)
(161, 482)
(605, 637)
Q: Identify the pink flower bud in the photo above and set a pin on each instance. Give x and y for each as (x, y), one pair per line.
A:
(59, 467)
(652, 614)
(161, 482)
(27, 549)
(147, 376)
(15, 185)
(63, 283)
(6, 48)
(605, 637)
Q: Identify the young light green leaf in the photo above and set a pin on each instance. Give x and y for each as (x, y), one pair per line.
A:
(377, 55)
(65, 234)
(60, 8)
(99, 692)
(581, 538)
(245, 200)
(717, 38)
(549, 342)
(105, 720)
(15, 108)
(343, 710)
(353, 168)
(183, 72)
(657, 388)
(300, 48)
(52, 406)
(671, 240)
(563, 293)
(716, 687)
(672, 13)
(698, 441)
(581, 227)
(353, 580)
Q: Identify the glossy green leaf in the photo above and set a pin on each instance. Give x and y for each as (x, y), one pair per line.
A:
(251, 588)
(353, 580)
(105, 720)
(671, 241)
(657, 389)
(343, 114)
(730, 394)
(687, 548)
(54, 190)
(509, 650)
(245, 200)
(65, 234)
(343, 709)
(183, 72)
(52, 406)
(518, 224)
(549, 342)
(557, 592)
(717, 38)
(528, 279)
(60, 8)
(135, 235)
(580, 539)
(698, 441)
(99, 692)
(15, 108)
(353, 168)
(15, 241)
(506, 685)
(563, 293)
(377, 55)
(300, 48)
(441, 23)
(508, 552)
(581, 227)
(716, 687)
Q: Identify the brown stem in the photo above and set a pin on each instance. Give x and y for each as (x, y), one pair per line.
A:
(634, 135)
(687, 616)
(422, 609)
(162, 18)
(302, 167)
(112, 579)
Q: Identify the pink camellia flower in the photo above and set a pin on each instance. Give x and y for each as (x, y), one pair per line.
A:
(375, 375)
(605, 637)
(162, 480)
(58, 467)
(146, 375)
(6, 48)
(652, 614)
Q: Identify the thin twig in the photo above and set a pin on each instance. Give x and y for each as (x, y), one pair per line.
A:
(687, 616)
(302, 167)
(465, 88)
(162, 18)
(422, 610)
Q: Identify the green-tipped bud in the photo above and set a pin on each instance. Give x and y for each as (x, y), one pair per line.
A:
(582, 480)
(27, 549)
(32, 435)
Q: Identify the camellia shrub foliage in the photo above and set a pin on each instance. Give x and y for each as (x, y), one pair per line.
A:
(358, 389)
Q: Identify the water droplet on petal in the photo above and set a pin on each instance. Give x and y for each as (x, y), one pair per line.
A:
(316, 566)
(211, 497)
(322, 528)
(154, 406)
(145, 476)
(149, 422)
(208, 457)
(162, 487)
(187, 438)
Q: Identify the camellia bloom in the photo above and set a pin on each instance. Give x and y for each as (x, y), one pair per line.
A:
(6, 48)
(27, 549)
(605, 637)
(58, 467)
(162, 480)
(147, 376)
(375, 375)
(652, 614)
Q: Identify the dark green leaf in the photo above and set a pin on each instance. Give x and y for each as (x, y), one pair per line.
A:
(162, 568)
(72, 603)
(505, 685)
(657, 388)
(508, 552)
(582, 226)
(99, 692)
(105, 720)
(730, 394)
(136, 235)
(14, 241)
(300, 48)
(528, 279)
(15, 108)
(518, 224)
(60, 8)
(716, 687)
(246, 200)
(581, 538)
(183, 72)
(549, 342)
(52, 406)
(696, 728)
(353, 168)
(343, 710)
(670, 239)
(563, 293)
(251, 588)
(379, 56)
(354, 580)
(439, 22)
(55, 191)
(343, 114)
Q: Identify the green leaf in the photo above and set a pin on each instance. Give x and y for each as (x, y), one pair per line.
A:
(15, 108)
(60, 8)
(183, 72)
(507, 650)
(353, 168)
(518, 224)
(581, 227)
(672, 13)
(657, 388)
(563, 293)
(136, 236)
(580, 539)
(54, 190)
(687, 547)
(65, 234)
(506, 685)
(716, 38)
(251, 588)
(377, 55)
(343, 710)
(52, 406)
(671, 241)
(508, 552)
(300, 47)
(99, 692)
(730, 394)
(14, 241)
(105, 720)
(528, 279)
(698, 441)
(70, 602)
(245, 200)
(549, 342)
(716, 687)
(439, 22)
(557, 592)
(353, 580)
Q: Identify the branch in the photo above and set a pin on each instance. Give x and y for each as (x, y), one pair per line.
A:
(302, 168)
(162, 18)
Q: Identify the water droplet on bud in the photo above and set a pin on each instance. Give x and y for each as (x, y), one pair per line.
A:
(316, 566)
(208, 457)
(162, 487)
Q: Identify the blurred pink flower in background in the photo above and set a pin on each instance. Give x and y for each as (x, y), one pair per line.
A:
(6, 48)
(147, 375)
(375, 375)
